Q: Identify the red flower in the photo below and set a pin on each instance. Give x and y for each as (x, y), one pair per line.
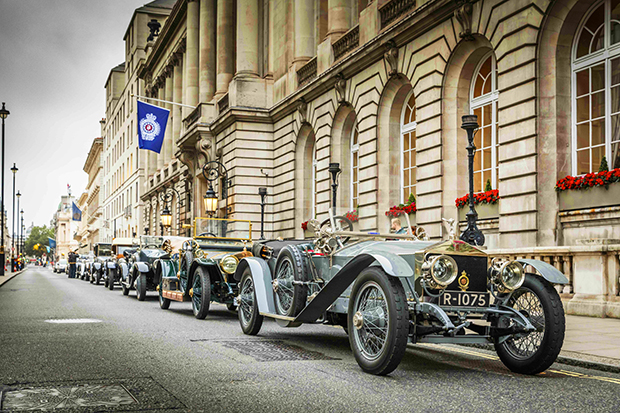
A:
(304, 226)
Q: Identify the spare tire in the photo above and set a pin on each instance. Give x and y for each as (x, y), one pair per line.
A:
(291, 266)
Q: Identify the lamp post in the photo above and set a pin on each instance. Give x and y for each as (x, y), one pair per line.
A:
(472, 234)
(263, 194)
(334, 169)
(18, 195)
(212, 172)
(21, 235)
(14, 170)
(166, 198)
(3, 114)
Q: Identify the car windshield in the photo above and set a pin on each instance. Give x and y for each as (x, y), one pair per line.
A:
(104, 250)
(62, 261)
(122, 248)
(212, 229)
(151, 242)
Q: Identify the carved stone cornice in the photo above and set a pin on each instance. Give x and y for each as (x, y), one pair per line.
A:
(464, 16)
(391, 58)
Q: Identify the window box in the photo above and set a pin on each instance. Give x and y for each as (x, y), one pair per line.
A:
(597, 196)
(485, 211)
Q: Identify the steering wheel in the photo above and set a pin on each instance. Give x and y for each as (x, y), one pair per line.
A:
(342, 224)
(207, 234)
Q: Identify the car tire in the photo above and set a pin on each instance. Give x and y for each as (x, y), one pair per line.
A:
(290, 299)
(141, 287)
(164, 303)
(90, 278)
(532, 355)
(98, 278)
(249, 318)
(184, 267)
(389, 345)
(201, 293)
(106, 278)
(231, 307)
(111, 278)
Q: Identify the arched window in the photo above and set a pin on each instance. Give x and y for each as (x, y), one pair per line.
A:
(596, 89)
(483, 103)
(408, 153)
(313, 185)
(355, 148)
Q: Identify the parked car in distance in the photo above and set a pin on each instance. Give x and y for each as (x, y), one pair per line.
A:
(112, 271)
(206, 265)
(61, 266)
(102, 252)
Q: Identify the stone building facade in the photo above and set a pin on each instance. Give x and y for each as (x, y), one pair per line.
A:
(89, 229)
(124, 166)
(282, 88)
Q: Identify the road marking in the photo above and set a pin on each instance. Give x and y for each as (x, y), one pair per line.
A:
(73, 321)
(585, 376)
(459, 350)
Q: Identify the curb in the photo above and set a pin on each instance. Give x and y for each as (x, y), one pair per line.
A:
(13, 275)
(588, 364)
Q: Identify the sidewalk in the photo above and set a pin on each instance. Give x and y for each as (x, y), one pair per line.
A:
(8, 275)
(594, 340)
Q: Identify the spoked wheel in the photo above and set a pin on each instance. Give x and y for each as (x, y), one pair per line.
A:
(201, 293)
(164, 303)
(290, 299)
(111, 278)
(184, 271)
(533, 352)
(141, 287)
(249, 318)
(342, 224)
(378, 321)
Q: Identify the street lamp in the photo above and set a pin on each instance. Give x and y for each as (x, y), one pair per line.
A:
(263, 194)
(166, 197)
(472, 234)
(21, 236)
(3, 114)
(14, 170)
(18, 195)
(211, 172)
(334, 169)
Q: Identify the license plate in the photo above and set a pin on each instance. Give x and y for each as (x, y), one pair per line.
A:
(464, 299)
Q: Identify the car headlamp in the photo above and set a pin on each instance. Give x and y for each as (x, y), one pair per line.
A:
(440, 271)
(511, 276)
(229, 264)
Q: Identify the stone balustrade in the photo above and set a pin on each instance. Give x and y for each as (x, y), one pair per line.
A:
(395, 9)
(307, 72)
(592, 270)
(348, 42)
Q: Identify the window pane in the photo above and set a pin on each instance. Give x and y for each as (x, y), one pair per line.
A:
(615, 128)
(487, 85)
(596, 20)
(597, 156)
(615, 99)
(615, 71)
(598, 77)
(406, 163)
(413, 176)
(407, 115)
(598, 105)
(583, 47)
(477, 138)
(486, 177)
(486, 134)
(406, 179)
(583, 162)
(599, 40)
(583, 109)
(406, 142)
(583, 82)
(583, 135)
(614, 161)
(487, 158)
(478, 86)
(412, 141)
(487, 115)
(598, 132)
(477, 182)
(412, 159)
(477, 161)
(485, 69)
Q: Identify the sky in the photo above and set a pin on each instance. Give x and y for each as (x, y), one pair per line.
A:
(55, 56)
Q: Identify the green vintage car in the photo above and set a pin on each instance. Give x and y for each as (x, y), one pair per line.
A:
(201, 270)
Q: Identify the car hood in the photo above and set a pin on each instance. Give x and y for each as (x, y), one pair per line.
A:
(410, 248)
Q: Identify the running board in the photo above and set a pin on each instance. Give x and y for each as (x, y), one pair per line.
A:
(174, 295)
(278, 316)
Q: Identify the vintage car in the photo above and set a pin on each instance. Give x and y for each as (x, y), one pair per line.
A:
(139, 264)
(61, 266)
(387, 293)
(81, 268)
(206, 263)
(112, 271)
(102, 252)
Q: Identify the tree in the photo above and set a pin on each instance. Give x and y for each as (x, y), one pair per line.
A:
(38, 235)
(488, 186)
(604, 166)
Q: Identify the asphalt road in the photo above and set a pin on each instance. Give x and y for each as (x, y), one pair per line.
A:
(169, 361)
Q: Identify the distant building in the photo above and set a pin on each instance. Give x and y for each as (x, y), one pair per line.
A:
(64, 227)
(124, 166)
(90, 228)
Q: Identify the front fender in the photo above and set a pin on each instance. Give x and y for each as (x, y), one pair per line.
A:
(97, 265)
(142, 266)
(124, 270)
(261, 275)
(547, 271)
(169, 268)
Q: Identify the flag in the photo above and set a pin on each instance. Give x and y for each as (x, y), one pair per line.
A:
(152, 122)
(52, 242)
(77, 214)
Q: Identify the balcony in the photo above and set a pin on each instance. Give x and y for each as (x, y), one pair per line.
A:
(222, 104)
(307, 72)
(391, 11)
(347, 43)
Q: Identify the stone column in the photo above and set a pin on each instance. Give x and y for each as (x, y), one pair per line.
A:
(178, 98)
(167, 145)
(338, 18)
(207, 50)
(193, 20)
(304, 35)
(225, 45)
(247, 38)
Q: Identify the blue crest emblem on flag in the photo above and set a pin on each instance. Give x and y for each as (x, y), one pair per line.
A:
(152, 122)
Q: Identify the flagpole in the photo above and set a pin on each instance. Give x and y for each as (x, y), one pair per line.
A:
(164, 101)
